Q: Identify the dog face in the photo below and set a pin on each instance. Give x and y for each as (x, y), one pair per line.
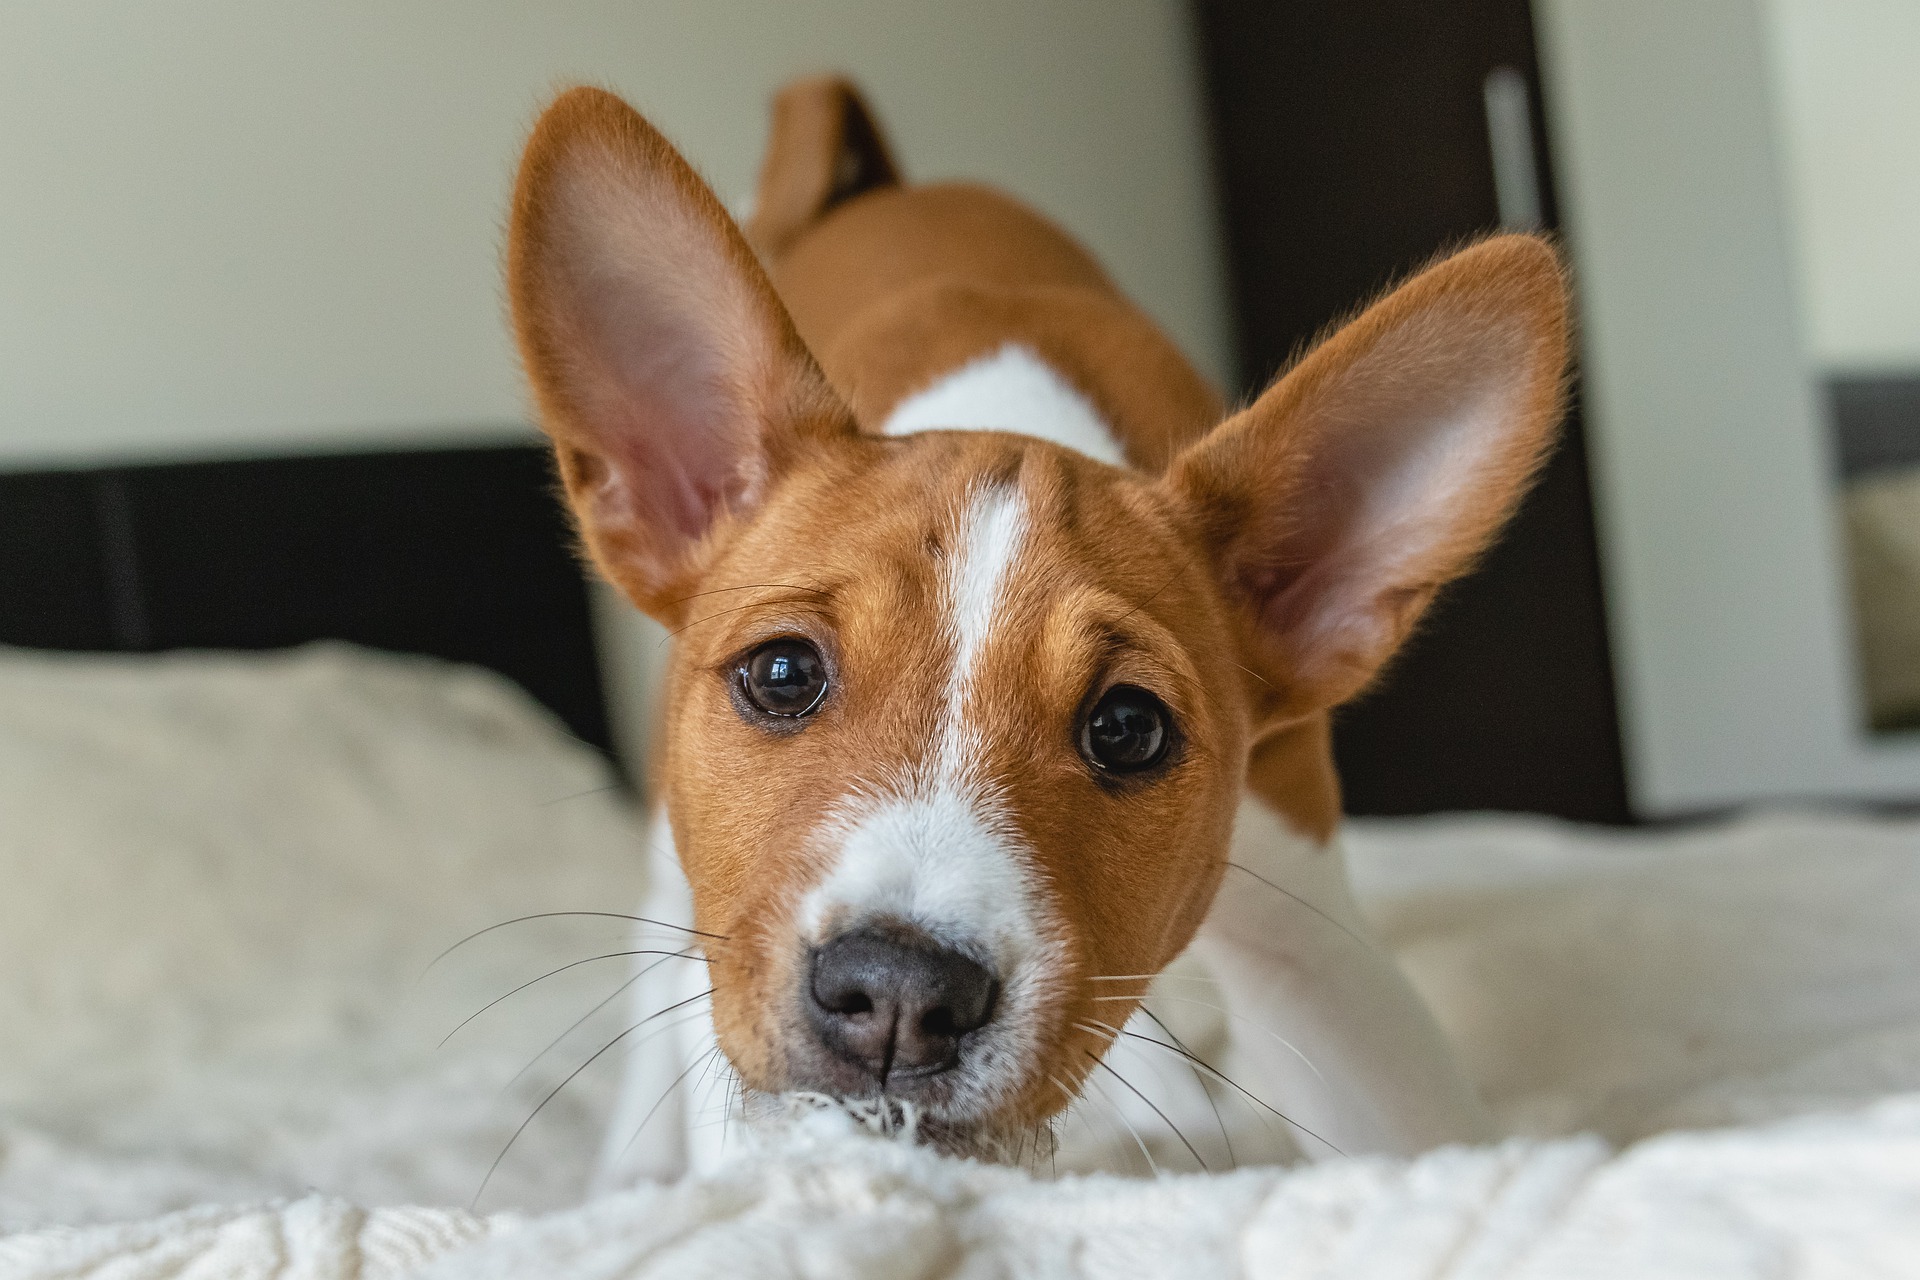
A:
(953, 728)
(957, 721)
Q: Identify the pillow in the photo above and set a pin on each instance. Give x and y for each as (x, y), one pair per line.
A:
(224, 876)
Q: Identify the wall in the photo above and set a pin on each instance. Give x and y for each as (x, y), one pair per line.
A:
(1846, 90)
(1711, 458)
(230, 227)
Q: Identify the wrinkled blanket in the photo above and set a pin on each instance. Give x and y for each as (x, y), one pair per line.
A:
(225, 876)
(1830, 1196)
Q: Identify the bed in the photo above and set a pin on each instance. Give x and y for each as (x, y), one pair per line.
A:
(234, 1042)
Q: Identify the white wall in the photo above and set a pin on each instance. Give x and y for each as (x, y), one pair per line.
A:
(1711, 461)
(1846, 81)
(242, 226)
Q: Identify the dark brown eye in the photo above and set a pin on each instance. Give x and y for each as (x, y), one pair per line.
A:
(784, 678)
(1126, 731)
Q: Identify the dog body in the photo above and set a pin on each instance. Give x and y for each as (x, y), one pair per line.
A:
(996, 773)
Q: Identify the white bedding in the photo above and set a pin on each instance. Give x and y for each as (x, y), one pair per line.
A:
(1824, 1197)
(222, 876)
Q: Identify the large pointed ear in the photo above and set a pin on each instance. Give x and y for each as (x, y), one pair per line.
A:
(1380, 467)
(825, 148)
(663, 366)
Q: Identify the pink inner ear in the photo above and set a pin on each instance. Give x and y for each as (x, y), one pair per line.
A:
(664, 367)
(1409, 466)
(660, 345)
(664, 425)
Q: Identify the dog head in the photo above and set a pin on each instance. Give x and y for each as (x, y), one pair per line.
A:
(957, 722)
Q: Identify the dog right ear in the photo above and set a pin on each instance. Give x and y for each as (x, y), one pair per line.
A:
(663, 365)
(1372, 474)
(825, 149)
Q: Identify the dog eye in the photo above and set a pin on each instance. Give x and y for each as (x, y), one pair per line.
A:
(784, 678)
(1126, 731)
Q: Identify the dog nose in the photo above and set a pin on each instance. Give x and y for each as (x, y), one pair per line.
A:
(894, 1006)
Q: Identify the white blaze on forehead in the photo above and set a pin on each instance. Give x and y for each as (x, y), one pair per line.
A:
(1010, 390)
(937, 849)
(991, 533)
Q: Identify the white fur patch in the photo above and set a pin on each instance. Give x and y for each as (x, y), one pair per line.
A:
(1010, 390)
(992, 532)
(939, 859)
(937, 851)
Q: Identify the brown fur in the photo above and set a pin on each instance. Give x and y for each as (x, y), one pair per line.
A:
(743, 807)
(1223, 571)
(826, 148)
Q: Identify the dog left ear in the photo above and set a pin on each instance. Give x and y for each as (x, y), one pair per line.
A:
(1380, 467)
(665, 369)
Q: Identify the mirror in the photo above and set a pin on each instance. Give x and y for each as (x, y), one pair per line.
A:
(1845, 84)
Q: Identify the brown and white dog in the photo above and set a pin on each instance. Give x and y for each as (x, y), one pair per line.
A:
(1002, 655)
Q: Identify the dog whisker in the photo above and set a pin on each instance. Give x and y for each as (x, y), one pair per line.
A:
(581, 1020)
(1109, 1033)
(1206, 1004)
(730, 1084)
(1367, 943)
(1074, 1100)
(1165, 975)
(474, 1205)
(1197, 1061)
(550, 915)
(1153, 1168)
(627, 1051)
(719, 1073)
(706, 1075)
(1151, 1106)
(1043, 1140)
(1194, 1063)
(704, 1080)
(578, 795)
(551, 973)
(1115, 1119)
(662, 1100)
(1197, 1065)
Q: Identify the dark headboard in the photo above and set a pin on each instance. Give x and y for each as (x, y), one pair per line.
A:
(463, 554)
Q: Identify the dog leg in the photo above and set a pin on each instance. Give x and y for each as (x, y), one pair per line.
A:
(1326, 1027)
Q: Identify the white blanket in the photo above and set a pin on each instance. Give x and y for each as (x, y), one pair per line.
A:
(222, 877)
(1837, 1196)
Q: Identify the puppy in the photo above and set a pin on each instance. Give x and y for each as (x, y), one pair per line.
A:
(1002, 654)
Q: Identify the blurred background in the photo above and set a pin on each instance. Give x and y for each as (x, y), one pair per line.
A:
(256, 388)
(257, 391)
